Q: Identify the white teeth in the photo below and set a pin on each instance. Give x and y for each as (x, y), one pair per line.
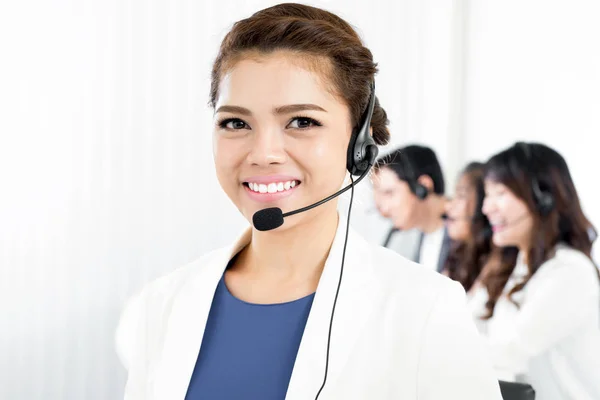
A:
(271, 187)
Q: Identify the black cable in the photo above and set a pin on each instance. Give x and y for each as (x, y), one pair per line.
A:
(338, 287)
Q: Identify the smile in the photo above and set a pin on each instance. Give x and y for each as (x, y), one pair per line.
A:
(272, 187)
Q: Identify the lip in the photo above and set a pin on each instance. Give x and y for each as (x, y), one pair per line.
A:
(270, 179)
(269, 197)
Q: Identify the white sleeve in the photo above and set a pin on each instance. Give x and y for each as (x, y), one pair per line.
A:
(453, 364)
(131, 345)
(561, 300)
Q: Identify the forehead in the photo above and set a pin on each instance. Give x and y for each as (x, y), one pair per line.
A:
(277, 79)
(385, 178)
(464, 183)
(493, 184)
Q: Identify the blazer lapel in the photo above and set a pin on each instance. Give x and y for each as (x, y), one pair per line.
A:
(186, 323)
(352, 311)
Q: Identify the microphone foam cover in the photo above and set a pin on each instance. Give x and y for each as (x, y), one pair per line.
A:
(267, 219)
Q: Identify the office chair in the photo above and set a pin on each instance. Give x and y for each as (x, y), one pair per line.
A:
(516, 391)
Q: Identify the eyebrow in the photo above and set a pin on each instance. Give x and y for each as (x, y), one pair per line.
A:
(278, 111)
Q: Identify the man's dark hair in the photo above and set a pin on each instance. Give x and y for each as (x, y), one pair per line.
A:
(411, 162)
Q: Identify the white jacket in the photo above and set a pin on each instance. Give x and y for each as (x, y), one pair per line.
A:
(553, 340)
(400, 331)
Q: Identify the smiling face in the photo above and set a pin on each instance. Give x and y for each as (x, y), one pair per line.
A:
(280, 136)
(511, 220)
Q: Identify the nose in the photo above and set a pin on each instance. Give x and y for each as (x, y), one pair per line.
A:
(488, 206)
(267, 147)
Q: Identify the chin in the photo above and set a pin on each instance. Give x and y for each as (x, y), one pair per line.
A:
(500, 241)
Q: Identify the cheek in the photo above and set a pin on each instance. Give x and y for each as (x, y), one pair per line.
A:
(322, 159)
(226, 157)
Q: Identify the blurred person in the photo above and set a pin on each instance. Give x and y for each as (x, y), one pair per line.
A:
(293, 91)
(409, 190)
(541, 315)
(470, 230)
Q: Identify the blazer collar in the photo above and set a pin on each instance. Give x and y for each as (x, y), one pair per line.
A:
(192, 303)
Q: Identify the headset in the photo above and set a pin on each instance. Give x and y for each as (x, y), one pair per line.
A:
(544, 200)
(362, 149)
(415, 186)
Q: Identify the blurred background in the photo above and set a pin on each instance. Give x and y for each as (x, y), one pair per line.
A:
(106, 171)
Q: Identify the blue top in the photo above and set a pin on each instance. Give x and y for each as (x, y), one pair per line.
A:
(248, 350)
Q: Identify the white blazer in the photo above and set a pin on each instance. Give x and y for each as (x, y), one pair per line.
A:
(553, 340)
(400, 331)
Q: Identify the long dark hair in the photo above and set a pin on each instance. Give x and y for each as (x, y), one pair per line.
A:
(467, 258)
(528, 170)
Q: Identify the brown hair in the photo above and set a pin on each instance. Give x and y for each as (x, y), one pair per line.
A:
(466, 259)
(565, 223)
(308, 31)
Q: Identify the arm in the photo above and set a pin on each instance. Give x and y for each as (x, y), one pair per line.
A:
(558, 302)
(452, 359)
(130, 341)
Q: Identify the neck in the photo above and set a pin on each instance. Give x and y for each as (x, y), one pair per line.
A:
(297, 253)
(524, 250)
(433, 209)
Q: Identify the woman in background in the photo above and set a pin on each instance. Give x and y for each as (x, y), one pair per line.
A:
(470, 231)
(542, 315)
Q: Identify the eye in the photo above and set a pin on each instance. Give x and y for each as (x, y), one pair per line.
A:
(233, 124)
(303, 123)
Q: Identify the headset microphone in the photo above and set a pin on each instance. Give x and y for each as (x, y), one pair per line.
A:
(446, 217)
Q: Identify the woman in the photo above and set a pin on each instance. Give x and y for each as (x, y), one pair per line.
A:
(541, 315)
(255, 320)
(470, 231)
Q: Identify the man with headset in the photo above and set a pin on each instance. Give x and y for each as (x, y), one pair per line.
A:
(409, 190)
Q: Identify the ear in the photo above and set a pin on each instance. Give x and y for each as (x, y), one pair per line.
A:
(426, 181)
(371, 131)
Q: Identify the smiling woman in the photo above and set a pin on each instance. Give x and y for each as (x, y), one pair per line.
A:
(266, 318)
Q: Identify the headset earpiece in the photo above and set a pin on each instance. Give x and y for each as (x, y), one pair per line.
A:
(362, 149)
(545, 203)
(420, 191)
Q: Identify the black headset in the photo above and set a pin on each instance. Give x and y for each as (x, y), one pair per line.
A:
(362, 149)
(544, 200)
(415, 186)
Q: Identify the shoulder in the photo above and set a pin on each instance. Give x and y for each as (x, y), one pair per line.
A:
(568, 266)
(397, 273)
(412, 287)
(568, 261)
(147, 307)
